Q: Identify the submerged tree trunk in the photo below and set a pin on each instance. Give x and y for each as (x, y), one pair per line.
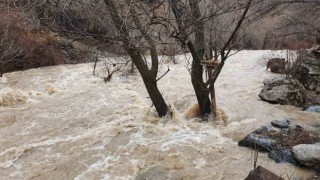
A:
(150, 83)
(199, 86)
(197, 52)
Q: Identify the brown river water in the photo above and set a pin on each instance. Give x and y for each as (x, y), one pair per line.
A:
(63, 123)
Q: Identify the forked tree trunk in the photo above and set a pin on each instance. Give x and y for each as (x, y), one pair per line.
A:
(150, 83)
(149, 76)
(199, 86)
(197, 52)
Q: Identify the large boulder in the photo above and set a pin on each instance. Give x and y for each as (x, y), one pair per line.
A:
(309, 68)
(301, 87)
(308, 155)
(283, 91)
(311, 60)
(261, 173)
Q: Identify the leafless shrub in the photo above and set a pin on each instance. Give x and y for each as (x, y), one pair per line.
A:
(106, 65)
(293, 63)
(9, 53)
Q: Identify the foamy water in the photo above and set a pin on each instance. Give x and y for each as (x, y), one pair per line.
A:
(63, 123)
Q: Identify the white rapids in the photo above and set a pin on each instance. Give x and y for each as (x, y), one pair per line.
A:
(63, 123)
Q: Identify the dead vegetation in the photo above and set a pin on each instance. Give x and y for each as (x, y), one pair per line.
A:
(24, 44)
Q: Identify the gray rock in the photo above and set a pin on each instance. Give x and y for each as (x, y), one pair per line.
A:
(310, 60)
(282, 155)
(258, 142)
(308, 155)
(262, 129)
(280, 124)
(302, 88)
(313, 109)
(307, 75)
(283, 91)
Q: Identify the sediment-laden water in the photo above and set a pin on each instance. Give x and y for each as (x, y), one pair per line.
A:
(63, 123)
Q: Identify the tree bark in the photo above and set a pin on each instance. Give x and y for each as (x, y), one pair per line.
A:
(148, 76)
(197, 52)
(151, 84)
(197, 70)
(199, 86)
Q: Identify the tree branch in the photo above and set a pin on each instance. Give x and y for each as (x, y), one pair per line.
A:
(164, 74)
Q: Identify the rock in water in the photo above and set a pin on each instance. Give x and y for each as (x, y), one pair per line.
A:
(280, 124)
(277, 65)
(308, 155)
(261, 173)
(311, 60)
(313, 109)
(255, 141)
(283, 91)
(282, 155)
(278, 142)
(309, 69)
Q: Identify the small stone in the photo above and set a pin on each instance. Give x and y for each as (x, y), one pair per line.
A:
(277, 65)
(280, 124)
(257, 142)
(263, 129)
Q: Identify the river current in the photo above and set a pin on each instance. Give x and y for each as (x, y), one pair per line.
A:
(64, 123)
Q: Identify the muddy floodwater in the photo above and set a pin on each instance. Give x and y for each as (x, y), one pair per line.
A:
(63, 123)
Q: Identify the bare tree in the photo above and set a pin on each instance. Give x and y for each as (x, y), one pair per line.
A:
(191, 21)
(300, 19)
(133, 27)
(149, 76)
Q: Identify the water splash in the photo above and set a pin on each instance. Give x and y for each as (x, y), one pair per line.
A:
(63, 123)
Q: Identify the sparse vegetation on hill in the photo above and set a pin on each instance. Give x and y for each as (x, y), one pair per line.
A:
(24, 45)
